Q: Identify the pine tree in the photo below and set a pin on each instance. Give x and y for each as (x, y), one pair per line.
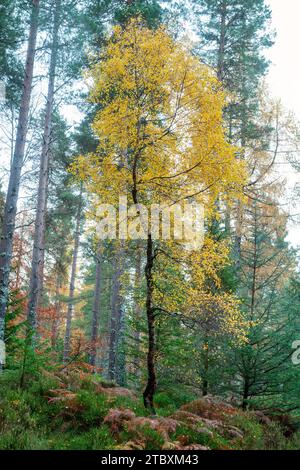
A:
(39, 234)
(10, 210)
(265, 267)
(11, 35)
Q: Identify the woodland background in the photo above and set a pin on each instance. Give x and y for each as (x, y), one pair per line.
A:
(84, 319)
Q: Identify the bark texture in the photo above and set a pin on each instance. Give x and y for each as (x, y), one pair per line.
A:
(116, 315)
(151, 383)
(70, 311)
(10, 210)
(36, 279)
(138, 312)
(96, 308)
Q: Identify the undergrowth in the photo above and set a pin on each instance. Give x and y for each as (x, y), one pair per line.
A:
(38, 416)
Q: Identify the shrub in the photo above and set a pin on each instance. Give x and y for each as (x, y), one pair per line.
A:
(98, 438)
(252, 430)
(92, 408)
(187, 435)
(21, 439)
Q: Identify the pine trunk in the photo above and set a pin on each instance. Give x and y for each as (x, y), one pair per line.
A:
(36, 279)
(67, 343)
(245, 393)
(205, 375)
(96, 309)
(116, 306)
(56, 317)
(10, 210)
(221, 51)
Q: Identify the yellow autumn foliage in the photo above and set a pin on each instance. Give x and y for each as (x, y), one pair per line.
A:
(162, 140)
(160, 124)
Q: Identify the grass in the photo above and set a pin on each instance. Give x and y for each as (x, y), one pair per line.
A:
(29, 421)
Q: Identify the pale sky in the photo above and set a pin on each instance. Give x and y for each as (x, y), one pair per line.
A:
(283, 80)
(285, 71)
(284, 75)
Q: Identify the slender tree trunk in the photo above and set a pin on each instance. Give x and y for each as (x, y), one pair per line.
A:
(227, 220)
(205, 377)
(138, 313)
(96, 308)
(240, 215)
(205, 387)
(116, 306)
(151, 383)
(245, 393)
(55, 320)
(67, 343)
(20, 254)
(254, 266)
(39, 232)
(221, 51)
(150, 389)
(121, 357)
(12, 140)
(10, 210)
(243, 142)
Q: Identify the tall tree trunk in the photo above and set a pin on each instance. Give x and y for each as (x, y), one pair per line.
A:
(138, 312)
(39, 231)
(20, 254)
(254, 264)
(221, 51)
(56, 317)
(151, 383)
(10, 210)
(150, 389)
(116, 306)
(240, 212)
(227, 220)
(67, 343)
(245, 393)
(243, 143)
(96, 308)
(121, 357)
(206, 368)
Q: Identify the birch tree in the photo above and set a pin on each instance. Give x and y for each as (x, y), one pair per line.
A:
(151, 158)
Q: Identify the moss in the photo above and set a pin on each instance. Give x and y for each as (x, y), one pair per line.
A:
(92, 408)
(29, 421)
(135, 405)
(98, 438)
(186, 435)
(253, 431)
(173, 398)
(17, 439)
(151, 438)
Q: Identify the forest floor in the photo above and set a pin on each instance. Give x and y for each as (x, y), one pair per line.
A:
(75, 410)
